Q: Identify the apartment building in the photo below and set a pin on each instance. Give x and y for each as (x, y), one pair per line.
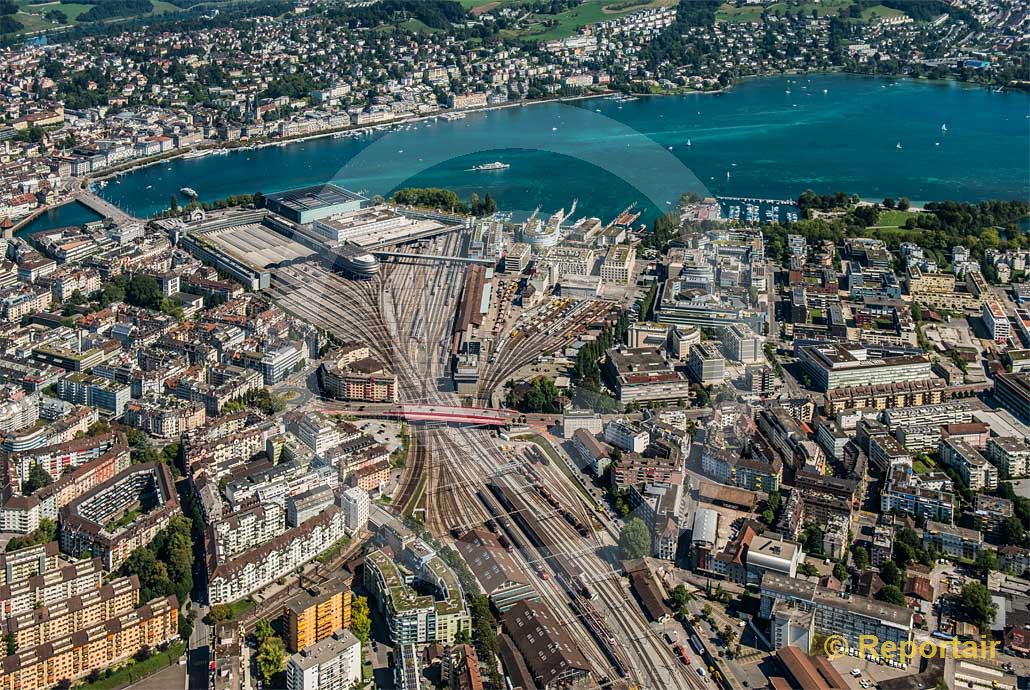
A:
(62, 618)
(729, 467)
(929, 495)
(120, 515)
(953, 542)
(245, 529)
(834, 612)
(97, 646)
(237, 577)
(622, 434)
(333, 663)
(414, 618)
(887, 396)
(1011, 454)
(367, 379)
(971, 465)
(51, 586)
(355, 504)
(316, 613)
(18, 411)
(164, 416)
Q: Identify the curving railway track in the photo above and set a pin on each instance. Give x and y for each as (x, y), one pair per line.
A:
(405, 316)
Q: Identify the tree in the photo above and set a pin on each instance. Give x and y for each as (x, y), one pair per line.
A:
(262, 631)
(680, 596)
(977, 605)
(813, 539)
(892, 595)
(38, 478)
(903, 204)
(143, 291)
(891, 574)
(808, 570)
(986, 561)
(271, 657)
(635, 539)
(840, 571)
(861, 556)
(1011, 531)
(44, 534)
(360, 620)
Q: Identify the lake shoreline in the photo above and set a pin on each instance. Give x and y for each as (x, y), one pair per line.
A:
(835, 133)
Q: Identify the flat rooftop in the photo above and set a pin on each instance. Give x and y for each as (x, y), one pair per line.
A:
(314, 197)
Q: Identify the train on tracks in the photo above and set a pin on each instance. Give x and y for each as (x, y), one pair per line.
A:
(502, 502)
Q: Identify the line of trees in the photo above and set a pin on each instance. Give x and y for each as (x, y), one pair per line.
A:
(165, 566)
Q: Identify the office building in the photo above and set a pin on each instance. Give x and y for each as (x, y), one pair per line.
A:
(83, 389)
(836, 365)
(516, 259)
(618, 264)
(996, 320)
(574, 420)
(1012, 391)
(740, 344)
(706, 364)
(644, 375)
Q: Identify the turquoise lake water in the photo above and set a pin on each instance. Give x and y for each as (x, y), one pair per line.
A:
(766, 138)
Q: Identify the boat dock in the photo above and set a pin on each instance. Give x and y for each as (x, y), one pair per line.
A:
(749, 200)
